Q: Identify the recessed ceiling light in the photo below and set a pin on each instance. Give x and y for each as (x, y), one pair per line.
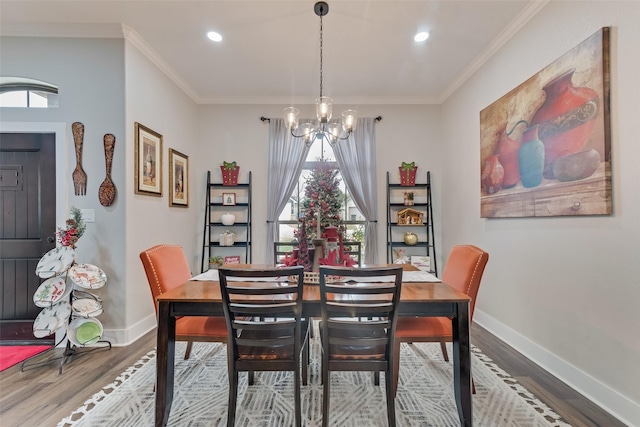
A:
(422, 36)
(214, 36)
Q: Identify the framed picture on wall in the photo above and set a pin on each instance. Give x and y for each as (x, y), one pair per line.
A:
(229, 199)
(148, 161)
(178, 179)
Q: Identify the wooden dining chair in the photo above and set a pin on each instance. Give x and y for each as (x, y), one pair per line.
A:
(266, 329)
(166, 267)
(462, 272)
(358, 325)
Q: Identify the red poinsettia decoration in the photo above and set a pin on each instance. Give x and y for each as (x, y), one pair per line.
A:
(289, 260)
(348, 261)
(332, 259)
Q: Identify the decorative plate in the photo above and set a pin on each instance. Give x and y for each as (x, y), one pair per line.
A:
(50, 319)
(86, 307)
(55, 262)
(87, 276)
(82, 332)
(51, 291)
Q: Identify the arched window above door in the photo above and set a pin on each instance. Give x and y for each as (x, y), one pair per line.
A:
(22, 92)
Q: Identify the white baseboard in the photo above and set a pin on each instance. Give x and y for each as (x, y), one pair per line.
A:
(601, 394)
(125, 337)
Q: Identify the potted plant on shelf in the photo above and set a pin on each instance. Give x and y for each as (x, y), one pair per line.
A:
(216, 262)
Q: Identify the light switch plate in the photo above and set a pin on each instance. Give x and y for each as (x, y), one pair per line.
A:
(88, 215)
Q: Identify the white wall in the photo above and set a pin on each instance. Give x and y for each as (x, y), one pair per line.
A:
(157, 103)
(562, 290)
(235, 132)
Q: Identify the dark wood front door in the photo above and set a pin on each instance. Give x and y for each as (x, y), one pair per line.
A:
(27, 225)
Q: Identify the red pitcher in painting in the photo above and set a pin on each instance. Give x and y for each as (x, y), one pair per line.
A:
(566, 118)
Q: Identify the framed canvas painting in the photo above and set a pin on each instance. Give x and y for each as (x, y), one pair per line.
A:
(545, 145)
(178, 179)
(148, 161)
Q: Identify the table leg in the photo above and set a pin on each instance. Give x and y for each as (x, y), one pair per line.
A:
(462, 363)
(165, 357)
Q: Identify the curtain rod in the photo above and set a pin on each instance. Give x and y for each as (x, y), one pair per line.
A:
(266, 119)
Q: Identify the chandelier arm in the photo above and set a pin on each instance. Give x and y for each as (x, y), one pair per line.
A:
(346, 136)
(299, 136)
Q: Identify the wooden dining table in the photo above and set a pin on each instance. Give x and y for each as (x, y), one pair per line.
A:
(203, 298)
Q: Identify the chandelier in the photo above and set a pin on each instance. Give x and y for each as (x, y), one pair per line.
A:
(326, 128)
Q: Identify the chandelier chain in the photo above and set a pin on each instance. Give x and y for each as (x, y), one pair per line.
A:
(326, 128)
(320, 56)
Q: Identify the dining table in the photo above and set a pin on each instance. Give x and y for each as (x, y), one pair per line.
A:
(202, 297)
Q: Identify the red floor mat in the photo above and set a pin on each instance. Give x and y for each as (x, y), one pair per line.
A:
(13, 354)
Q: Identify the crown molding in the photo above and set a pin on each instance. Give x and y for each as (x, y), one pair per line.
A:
(310, 100)
(62, 30)
(139, 43)
(507, 33)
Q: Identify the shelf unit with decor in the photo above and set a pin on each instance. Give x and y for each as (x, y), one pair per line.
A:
(213, 226)
(421, 202)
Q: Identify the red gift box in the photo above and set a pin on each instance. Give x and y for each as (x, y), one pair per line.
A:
(230, 174)
(408, 176)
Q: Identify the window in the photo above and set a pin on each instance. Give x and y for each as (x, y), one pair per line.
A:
(352, 219)
(27, 93)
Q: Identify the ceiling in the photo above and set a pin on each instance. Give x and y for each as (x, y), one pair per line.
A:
(270, 49)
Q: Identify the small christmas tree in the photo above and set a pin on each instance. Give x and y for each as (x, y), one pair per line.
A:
(322, 194)
(303, 248)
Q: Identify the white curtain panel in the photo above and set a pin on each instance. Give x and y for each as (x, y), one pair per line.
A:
(286, 158)
(357, 160)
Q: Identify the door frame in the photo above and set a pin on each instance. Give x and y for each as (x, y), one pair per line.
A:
(61, 150)
(62, 169)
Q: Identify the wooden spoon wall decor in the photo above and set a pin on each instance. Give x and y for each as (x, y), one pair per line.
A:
(107, 190)
(79, 176)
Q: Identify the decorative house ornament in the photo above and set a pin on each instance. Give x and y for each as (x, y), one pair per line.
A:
(228, 219)
(230, 171)
(409, 216)
(408, 174)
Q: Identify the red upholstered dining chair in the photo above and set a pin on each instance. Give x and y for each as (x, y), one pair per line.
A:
(462, 272)
(167, 267)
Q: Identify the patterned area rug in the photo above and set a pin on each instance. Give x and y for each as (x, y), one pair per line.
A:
(425, 395)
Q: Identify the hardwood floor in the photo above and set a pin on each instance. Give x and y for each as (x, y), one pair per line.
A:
(40, 397)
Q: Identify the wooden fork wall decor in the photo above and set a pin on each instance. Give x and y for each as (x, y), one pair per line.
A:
(79, 176)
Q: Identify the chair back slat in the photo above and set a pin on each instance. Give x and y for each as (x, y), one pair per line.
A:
(283, 287)
(245, 309)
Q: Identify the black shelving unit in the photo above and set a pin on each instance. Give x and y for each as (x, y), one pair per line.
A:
(422, 202)
(213, 226)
